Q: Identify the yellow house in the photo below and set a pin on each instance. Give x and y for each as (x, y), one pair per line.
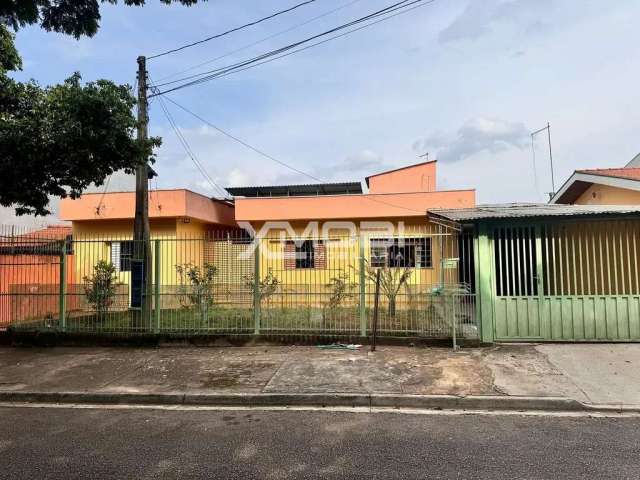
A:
(315, 233)
(180, 223)
(602, 186)
(317, 246)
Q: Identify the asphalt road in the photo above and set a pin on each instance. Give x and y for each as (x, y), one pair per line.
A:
(79, 443)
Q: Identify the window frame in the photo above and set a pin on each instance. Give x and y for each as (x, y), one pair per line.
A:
(305, 254)
(381, 249)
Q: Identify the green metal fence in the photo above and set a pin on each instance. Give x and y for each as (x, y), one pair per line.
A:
(228, 283)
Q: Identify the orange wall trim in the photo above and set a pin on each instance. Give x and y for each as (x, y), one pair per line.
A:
(162, 204)
(413, 204)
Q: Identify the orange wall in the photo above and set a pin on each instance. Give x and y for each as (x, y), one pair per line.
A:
(416, 178)
(607, 195)
(349, 207)
(29, 274)
(162, 204)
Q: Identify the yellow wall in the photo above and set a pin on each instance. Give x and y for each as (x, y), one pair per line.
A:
(193, 243)
(92, 243)
(607, 195)
(342, 256)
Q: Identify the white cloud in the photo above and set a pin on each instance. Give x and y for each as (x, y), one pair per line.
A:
(478, 135)
(480, 18)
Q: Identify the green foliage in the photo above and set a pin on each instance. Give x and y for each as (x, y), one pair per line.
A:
(72, 17)
(392, 279)
(9, 57)
(196, 286)
(56, 141)
(267, 286)
(342, 288)
(100, 288)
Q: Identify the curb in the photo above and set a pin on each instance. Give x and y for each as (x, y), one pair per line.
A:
(429, 402)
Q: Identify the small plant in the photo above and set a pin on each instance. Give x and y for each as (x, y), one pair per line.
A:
(100, 288)
(391, 282)
(341, 289)
(267, 286)
(196, 286)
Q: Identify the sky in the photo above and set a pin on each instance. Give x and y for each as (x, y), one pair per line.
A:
(465, 81)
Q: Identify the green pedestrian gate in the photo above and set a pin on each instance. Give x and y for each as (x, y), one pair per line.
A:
(559, 280)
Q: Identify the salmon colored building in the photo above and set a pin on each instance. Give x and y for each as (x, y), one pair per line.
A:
(388, 223)
(102, 226)
(403, 194)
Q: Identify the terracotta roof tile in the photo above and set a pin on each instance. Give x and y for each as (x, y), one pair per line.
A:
(631, 173)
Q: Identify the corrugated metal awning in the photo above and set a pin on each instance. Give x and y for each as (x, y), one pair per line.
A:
(531, 210)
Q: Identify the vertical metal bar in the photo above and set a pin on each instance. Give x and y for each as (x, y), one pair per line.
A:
(63, 287)
(606, 249)
(573, 263)
(454, 323)
(363, 286)
(256, 287)
(635, 260)
(516, 236)
(498, 236)
(376, 302)
(602, 286)
(580, 238)
(627, 267)
(156, 290)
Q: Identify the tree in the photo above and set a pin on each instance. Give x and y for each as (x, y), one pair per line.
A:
(392, 279)
(72, 17)
(56, 141)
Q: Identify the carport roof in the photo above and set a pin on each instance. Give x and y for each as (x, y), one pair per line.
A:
(530, 210)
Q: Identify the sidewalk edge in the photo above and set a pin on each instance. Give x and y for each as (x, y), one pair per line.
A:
(377, 400)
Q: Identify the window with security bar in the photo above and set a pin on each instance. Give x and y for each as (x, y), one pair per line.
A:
(401, 252)
(121, 255)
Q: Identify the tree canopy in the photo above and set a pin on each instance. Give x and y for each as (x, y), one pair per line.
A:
(72, 17)
(57, 140)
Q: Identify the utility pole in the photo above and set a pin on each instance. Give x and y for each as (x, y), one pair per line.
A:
(533, 134)
(141, 264)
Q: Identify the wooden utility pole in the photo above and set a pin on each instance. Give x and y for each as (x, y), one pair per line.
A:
(141, 267)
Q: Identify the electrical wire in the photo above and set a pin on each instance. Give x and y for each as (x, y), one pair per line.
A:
(280, 162)
(264, 39)
(185, 144)
(271, 56)
(395, 6)
(235, 29)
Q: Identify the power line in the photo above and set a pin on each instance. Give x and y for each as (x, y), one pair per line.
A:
(242, 142)
(189, 151)
(271, 53)
(399, 8)
(282, 32)
(235, 29)
(266, 155)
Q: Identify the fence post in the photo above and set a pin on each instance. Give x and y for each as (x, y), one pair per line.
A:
(256, 287)
(156, 287)
(363, 288)
(63, 287)
(454, 322)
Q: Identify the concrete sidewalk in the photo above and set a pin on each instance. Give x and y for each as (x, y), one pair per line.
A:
(591, 374)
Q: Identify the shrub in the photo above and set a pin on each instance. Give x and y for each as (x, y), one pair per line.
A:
(267, 286)
(196, 286)
(100, 288)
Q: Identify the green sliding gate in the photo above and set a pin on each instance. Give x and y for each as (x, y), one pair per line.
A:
(560, 281)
